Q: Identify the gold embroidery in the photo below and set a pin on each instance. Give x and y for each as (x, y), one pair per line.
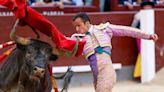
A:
(101, 26)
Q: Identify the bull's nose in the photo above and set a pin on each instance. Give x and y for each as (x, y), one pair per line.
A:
(39, 71)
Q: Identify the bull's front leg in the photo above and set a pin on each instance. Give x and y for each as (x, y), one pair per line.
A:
(1, 90)
(23, 78)
(21, 87)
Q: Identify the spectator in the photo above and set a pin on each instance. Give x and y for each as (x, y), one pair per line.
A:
(78, 2)
(107, 5)
(130, 3)
(29, 2)
(67, 2)
(159, 1)
(145, 5)
(71, 2)
(87, 2)
(104, 5)
(48, 3)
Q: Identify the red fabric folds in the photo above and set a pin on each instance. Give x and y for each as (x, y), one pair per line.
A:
(32, 18)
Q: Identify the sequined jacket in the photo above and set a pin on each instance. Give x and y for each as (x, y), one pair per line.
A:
(101, 35)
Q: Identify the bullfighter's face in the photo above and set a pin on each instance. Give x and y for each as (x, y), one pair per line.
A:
(81, 27)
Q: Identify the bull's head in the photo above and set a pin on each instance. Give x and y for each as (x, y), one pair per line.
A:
(37, 53)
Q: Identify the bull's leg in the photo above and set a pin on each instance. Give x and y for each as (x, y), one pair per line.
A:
(7, 89)
(20, 87)
(1, 90)
(22, 80)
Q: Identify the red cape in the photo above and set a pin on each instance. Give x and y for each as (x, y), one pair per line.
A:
(32, 18)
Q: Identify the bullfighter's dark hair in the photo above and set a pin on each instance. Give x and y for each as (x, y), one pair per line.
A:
(83, 16)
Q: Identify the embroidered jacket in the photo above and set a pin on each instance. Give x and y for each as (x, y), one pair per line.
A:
(101, 35)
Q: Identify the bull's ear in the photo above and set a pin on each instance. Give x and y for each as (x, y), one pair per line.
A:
(53, 57)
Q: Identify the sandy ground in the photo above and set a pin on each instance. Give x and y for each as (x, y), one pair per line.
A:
(156, 85)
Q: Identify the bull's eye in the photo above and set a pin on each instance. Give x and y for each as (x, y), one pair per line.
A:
(35, 69)
(28, 54)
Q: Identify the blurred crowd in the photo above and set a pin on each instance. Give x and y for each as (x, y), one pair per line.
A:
(104, 5)
(131, 3)
(59, 3)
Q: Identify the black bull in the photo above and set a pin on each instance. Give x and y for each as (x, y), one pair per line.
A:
(25, 70)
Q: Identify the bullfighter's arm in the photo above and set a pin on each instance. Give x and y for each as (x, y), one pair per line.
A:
(61, 52)
(120, 30)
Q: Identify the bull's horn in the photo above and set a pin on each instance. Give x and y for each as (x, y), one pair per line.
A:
(21, 40)
(61, 52)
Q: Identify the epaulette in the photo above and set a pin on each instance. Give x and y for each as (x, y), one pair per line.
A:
(101, 26)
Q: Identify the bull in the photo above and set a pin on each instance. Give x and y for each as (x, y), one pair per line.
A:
(25, 70)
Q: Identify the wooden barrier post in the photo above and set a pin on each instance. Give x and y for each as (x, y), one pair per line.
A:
(147, 47)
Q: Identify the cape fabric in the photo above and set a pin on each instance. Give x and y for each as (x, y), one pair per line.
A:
(32, 18)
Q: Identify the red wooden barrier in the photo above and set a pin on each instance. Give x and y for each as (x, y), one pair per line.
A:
(124, 48)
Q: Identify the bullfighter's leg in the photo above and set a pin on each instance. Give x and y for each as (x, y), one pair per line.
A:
(106, 74)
